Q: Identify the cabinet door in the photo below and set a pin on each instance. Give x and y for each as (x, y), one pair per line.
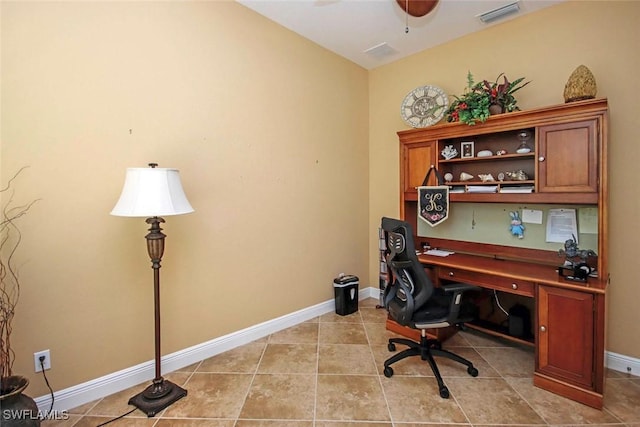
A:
(416, 161)
(568, 157)
(566, 335)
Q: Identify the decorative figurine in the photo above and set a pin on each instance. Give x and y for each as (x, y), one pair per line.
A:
(518, 175)
(448, 177)
(517, 229)
(579, 263)
(465, 176)
(486, 177)
(449, 152)
(573, 255)
(501, 152)
(523, 136)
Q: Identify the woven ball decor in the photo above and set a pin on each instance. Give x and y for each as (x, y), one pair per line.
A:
(581, 85)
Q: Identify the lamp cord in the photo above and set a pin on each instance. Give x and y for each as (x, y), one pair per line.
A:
(116, 418)
(53, 399)
(47, 382)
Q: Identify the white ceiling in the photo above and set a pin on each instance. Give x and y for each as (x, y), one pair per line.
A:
(350, 27)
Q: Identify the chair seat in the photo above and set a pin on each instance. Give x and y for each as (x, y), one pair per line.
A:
(435, 310)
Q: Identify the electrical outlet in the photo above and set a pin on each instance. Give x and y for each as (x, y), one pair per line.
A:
(46, 362)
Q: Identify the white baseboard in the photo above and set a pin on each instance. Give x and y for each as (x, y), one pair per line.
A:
(80, 394)
(98, 388)
(622, 363)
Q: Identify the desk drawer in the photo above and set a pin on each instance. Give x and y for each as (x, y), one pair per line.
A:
(506, 284)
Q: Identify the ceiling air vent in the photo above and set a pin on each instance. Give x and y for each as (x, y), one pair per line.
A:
(381, 50)
(499, 12)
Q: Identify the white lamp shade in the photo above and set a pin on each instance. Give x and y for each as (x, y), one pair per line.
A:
(149, 192)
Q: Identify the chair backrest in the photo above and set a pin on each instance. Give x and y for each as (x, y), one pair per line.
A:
(409, 286)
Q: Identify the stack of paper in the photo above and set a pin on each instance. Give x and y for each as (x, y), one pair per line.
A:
(438, 252)
(482, 188)
(518, 189)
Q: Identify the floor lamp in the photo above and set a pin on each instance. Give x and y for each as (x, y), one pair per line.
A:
(154, 192)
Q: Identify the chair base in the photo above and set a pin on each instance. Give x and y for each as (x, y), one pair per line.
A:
(426, 349)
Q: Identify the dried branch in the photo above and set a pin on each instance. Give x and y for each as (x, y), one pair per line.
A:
(10, 238)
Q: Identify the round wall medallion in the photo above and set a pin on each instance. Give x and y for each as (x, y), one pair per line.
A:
(424, 106)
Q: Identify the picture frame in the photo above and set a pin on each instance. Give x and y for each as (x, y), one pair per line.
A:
(466, 149)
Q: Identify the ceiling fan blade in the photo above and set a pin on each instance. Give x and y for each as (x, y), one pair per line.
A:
(324, 2)
(417, 8)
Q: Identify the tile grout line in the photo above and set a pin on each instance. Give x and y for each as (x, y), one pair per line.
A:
(315, 392)
(384, 393)
(184, 384)
(253, 377)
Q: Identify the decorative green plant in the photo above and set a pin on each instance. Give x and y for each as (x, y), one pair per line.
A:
(473, 105)
(502, 93)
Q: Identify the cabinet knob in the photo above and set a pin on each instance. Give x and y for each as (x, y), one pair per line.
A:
(543, 328)
(514, 286)
(451, 274)
(541, 159)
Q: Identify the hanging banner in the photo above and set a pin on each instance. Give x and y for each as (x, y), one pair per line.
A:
(433, 201)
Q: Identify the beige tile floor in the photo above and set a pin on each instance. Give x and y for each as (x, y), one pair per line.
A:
(327, 372)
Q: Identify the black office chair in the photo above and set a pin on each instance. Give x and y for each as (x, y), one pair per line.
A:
(413, 301)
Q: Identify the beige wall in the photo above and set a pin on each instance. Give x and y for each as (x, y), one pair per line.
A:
(270, 134)
(281, 144)
(545, 47)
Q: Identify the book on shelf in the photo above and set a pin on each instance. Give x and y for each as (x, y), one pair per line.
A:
(482, 188)
(517, 189)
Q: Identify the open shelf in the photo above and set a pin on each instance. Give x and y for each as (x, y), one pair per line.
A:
(499, 183)
(498, 331)
(503, 157)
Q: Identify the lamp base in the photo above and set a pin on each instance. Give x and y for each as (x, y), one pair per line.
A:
(157, 396)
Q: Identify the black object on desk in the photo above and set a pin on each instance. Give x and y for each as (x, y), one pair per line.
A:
(577, 273)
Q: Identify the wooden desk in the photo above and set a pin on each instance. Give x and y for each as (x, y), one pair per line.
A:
(567, 325)
(568, 318)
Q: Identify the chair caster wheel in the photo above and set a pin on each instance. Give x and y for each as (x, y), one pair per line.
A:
(444, 392)
(391, 346)
(388, 372)
(472, 371)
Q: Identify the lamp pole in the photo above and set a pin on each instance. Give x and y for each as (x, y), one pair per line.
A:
(161, 393)
(154, 192)
(155, 248)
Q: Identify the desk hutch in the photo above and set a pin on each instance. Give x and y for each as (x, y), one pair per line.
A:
(567, 166)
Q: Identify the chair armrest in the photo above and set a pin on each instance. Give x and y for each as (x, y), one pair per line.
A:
(459, 287)
(401, 264)
(456, 301)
